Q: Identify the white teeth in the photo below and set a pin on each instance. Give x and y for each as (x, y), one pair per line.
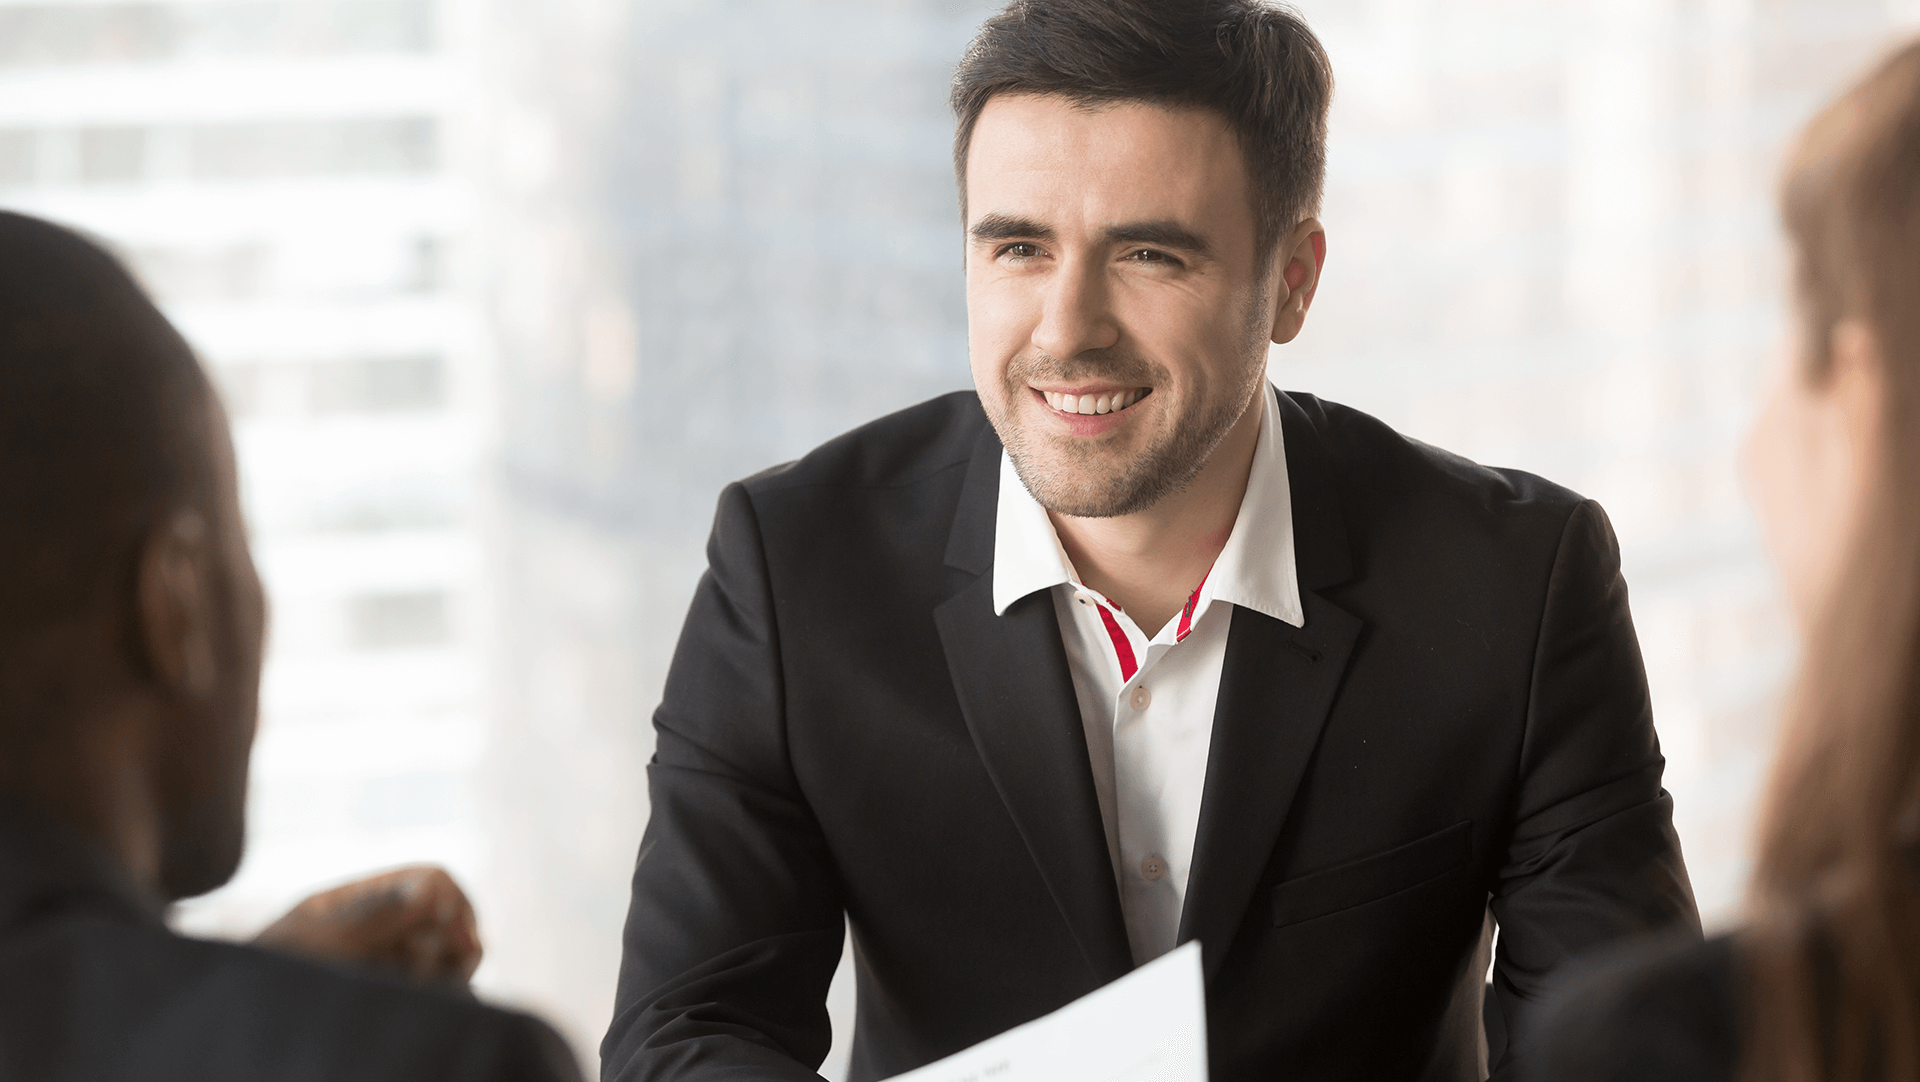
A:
(1093, 404)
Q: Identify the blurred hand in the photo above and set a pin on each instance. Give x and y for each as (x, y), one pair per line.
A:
(411, 922)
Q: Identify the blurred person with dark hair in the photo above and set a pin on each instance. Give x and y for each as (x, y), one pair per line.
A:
(1823, 982)
(1124, 648)
(131, 631)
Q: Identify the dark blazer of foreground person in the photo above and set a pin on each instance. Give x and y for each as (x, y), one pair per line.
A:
(849, 733)
(93, 986)
(1822, 982)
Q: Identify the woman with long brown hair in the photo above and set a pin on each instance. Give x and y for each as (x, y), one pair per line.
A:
(1823, 983)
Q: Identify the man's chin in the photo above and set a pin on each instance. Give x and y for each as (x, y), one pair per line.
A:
(196, 861)
(1085, 476)
(1079, 489)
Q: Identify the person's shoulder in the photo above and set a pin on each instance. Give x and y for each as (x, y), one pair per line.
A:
(1381, 462)
(896, 450)
(183, 1007)
(383, 1027)
(1410, 505)
(1651, 1012)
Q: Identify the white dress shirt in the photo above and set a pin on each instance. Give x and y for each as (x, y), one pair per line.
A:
(1147, 704)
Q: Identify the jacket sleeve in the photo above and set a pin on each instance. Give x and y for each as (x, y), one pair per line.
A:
(1593, 857)
(736, 922)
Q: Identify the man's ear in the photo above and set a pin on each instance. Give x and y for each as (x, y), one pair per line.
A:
(177, 608)
(1298, 257)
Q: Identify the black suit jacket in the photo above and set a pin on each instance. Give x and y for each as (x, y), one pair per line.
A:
(847, 728)
(94, 988)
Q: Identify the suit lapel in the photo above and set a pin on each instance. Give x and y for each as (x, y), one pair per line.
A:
(1277, 685)
(1011, 678)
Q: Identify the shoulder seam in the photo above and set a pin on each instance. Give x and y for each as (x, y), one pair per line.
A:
(1540, 629)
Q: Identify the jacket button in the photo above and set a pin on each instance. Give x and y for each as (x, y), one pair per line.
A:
(1152, 868)
(1141, 697)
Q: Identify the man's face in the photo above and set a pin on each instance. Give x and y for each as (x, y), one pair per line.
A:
(1117, 316)
(204, 766)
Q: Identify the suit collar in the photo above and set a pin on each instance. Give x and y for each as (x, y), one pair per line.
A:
(1277, 686)
(1010, 676)
(1320, 529)
(970, 542)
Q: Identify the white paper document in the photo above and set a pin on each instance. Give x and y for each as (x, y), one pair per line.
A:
(1148, 1026)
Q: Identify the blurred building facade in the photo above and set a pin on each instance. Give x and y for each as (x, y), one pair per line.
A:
(502, 294)
(720, 236)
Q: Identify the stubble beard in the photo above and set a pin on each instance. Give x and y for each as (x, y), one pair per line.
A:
(1073, 477)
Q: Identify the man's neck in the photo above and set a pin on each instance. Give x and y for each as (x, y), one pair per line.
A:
(94, 781)
(1149, 562)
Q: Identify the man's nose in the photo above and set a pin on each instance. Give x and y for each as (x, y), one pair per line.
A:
(1077, 314)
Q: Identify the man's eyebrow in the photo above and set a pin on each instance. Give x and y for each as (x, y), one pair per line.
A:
(1164, 233)
(994, 227)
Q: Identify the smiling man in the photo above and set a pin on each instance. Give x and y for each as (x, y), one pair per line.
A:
(1126, 648)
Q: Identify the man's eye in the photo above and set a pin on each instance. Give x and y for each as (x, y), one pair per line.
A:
(1148, 255)
(1021, 250)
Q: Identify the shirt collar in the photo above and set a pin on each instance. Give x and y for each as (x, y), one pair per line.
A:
(1026, 551)
(1256, 570)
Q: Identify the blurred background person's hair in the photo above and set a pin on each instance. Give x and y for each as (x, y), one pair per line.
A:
(1835, 941)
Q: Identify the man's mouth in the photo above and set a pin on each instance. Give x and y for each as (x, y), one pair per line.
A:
(1102, 402)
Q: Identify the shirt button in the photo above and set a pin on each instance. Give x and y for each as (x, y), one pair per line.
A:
(1152, 868)
(1141, 697)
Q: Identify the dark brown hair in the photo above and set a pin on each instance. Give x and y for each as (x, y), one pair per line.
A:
(1255, 64)
(1833, 948)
